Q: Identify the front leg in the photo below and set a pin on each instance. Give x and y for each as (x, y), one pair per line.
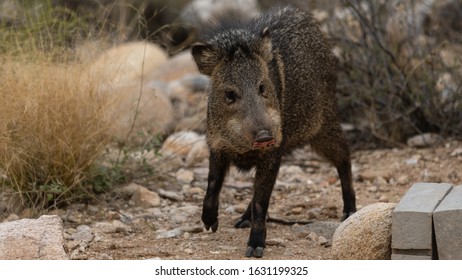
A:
(265, 178)
(218, 166)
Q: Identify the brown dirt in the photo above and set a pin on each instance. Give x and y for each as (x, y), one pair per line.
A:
(381, 175)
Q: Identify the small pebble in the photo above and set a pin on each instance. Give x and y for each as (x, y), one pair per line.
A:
(312, 237)
(297, 210)
(322, 240)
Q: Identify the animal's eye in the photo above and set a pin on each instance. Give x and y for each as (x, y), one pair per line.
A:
(262, 90)
(230, 96)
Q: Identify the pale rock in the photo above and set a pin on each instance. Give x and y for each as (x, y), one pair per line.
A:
(296, 210)
(192, 229)
(73, 244)
(275, 242)
(140, 111)
(141, 196)
(189, 100)
(413, 160)
(32, 239)
(188, 147)
(403, 179)
(456, 152)
(83, 234)
(174, 68)
(155, 212)
(240, 208)
(174, 233)
(383, 198)
(366, 235)
(195, 190)
(322, 241)
(424, 140)
(12, 217)
(322, 228)
(175, 196)
(372, 174)
(127, 63)
(291, 169)
(198, 12)
(312, 236)
(110, 227)
(185, 176)
(380, 181)
(183, 214)
(229, 209)
(105, 256)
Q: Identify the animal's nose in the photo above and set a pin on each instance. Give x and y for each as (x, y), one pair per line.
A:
(263, 136)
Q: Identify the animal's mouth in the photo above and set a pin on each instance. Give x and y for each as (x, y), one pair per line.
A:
(263, 139)
(264, 144)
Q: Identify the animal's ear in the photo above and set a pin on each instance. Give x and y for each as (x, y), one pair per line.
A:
(266, 47)
(206, 57)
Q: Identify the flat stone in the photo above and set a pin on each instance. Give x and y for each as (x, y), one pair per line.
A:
(83, 234)
(447, 219)
(412, 217)
(185, 176)
(407, 255)
(33, 239)
(141, 196)
(163, 234)
(175, 196)
(322, 228)
(424, 140)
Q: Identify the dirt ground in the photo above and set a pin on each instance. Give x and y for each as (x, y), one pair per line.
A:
(306, 202)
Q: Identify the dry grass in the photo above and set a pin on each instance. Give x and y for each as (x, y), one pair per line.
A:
(55, 119)
(52, 130)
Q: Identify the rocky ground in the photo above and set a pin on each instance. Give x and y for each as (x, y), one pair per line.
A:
(159, 217)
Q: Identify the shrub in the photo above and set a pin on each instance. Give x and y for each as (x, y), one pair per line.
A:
(392, 76)
(52, 130)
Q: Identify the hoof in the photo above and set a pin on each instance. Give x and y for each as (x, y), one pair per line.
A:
(242, 223)
(214, 227)
(346, 215)
(254, 252)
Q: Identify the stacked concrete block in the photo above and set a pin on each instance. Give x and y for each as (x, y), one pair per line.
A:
(412, 227)
(447, 219)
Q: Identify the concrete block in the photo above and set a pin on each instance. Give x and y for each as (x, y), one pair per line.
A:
(447, 220)
(411, 255)
(412, 217)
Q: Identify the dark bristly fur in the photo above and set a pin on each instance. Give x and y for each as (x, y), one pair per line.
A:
(273, 90)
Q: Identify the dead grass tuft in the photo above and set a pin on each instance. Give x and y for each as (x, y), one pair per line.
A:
(52, 130)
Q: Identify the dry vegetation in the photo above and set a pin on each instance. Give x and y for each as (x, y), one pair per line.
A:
(54, 121)
(397, 76)
(53, 129)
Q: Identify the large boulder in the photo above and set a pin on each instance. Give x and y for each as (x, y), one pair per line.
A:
(127, 63)
(29, 239)
(140, 112)
(175, 67)
(366, 235)
(199, 12)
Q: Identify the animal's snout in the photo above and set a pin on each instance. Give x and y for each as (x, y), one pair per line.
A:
(263, 139)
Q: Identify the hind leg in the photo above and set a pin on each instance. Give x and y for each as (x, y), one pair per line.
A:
(245, 220)
(332, 144)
